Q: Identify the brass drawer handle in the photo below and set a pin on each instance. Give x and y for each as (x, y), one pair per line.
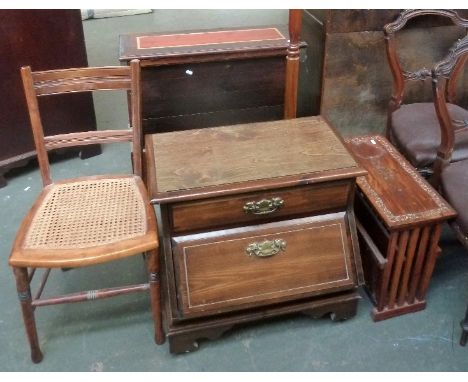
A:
(266, 248)
(264, 206)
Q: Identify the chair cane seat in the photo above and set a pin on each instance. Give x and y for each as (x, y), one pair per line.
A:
(416, 132)
(85, 221)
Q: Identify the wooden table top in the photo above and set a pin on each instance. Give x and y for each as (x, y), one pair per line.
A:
(206, 162)
(401, 195)
(203, 42)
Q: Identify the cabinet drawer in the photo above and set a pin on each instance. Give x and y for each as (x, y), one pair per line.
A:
(259, 207)
(233, 269)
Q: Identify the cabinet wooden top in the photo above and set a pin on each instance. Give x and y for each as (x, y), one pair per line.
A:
(182, 46)
(195, 164)
(399, 194)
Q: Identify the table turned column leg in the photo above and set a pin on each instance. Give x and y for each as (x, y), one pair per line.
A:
(155, 294)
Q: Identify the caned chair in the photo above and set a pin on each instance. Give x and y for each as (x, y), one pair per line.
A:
(452, 177)
(87, 220)
(413, 127)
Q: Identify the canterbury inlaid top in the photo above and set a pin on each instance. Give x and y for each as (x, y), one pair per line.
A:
(397, 205)
(196, 164)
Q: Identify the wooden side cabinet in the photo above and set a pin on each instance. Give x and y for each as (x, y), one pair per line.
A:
(42, 39)
(253, 225)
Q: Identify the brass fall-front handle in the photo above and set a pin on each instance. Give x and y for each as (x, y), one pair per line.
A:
(266, 248)
(264, 206)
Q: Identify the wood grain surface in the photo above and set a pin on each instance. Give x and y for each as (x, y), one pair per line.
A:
(226, 211)
(248, 152)
(400, 195)
(216, 274)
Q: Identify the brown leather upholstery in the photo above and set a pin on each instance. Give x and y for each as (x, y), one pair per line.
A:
(454, 183)
(415, 131)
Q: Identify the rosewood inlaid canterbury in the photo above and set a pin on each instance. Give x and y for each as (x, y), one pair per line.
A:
(257, 221)
(399, 217)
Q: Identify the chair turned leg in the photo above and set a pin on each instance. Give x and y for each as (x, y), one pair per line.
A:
(24, 295)
(155, 295)
(464, 325)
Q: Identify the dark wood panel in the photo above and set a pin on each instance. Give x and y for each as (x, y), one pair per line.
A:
(311, 67)
(216, 274)
(211, 119)
(230, 210)
(232, 73)
(43, 39)
(208, 87)
(373, 224)
(211, 100)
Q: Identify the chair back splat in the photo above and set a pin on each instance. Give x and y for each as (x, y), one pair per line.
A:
(413, 127)
(442, 80)
(399, 75)
(53, 82)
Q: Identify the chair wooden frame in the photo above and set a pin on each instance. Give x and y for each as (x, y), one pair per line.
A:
(442, 74)
(400, 76)
(24, 260)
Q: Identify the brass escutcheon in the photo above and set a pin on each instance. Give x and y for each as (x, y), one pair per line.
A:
(264, 206)
(266, 248)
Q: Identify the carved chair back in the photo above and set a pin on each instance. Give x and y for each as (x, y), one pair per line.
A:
(400, 76)
(53, 82)
(442, 79)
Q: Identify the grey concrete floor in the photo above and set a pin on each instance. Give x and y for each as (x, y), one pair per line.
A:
(116, 334)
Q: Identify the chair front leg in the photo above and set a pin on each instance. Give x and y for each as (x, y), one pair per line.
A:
(24, 295)
(155, 295)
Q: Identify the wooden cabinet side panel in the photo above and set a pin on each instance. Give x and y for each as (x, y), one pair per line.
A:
(43, 39)
(212, 87)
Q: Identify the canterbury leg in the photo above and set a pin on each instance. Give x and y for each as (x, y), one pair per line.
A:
(155, 295)
(24, 295)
